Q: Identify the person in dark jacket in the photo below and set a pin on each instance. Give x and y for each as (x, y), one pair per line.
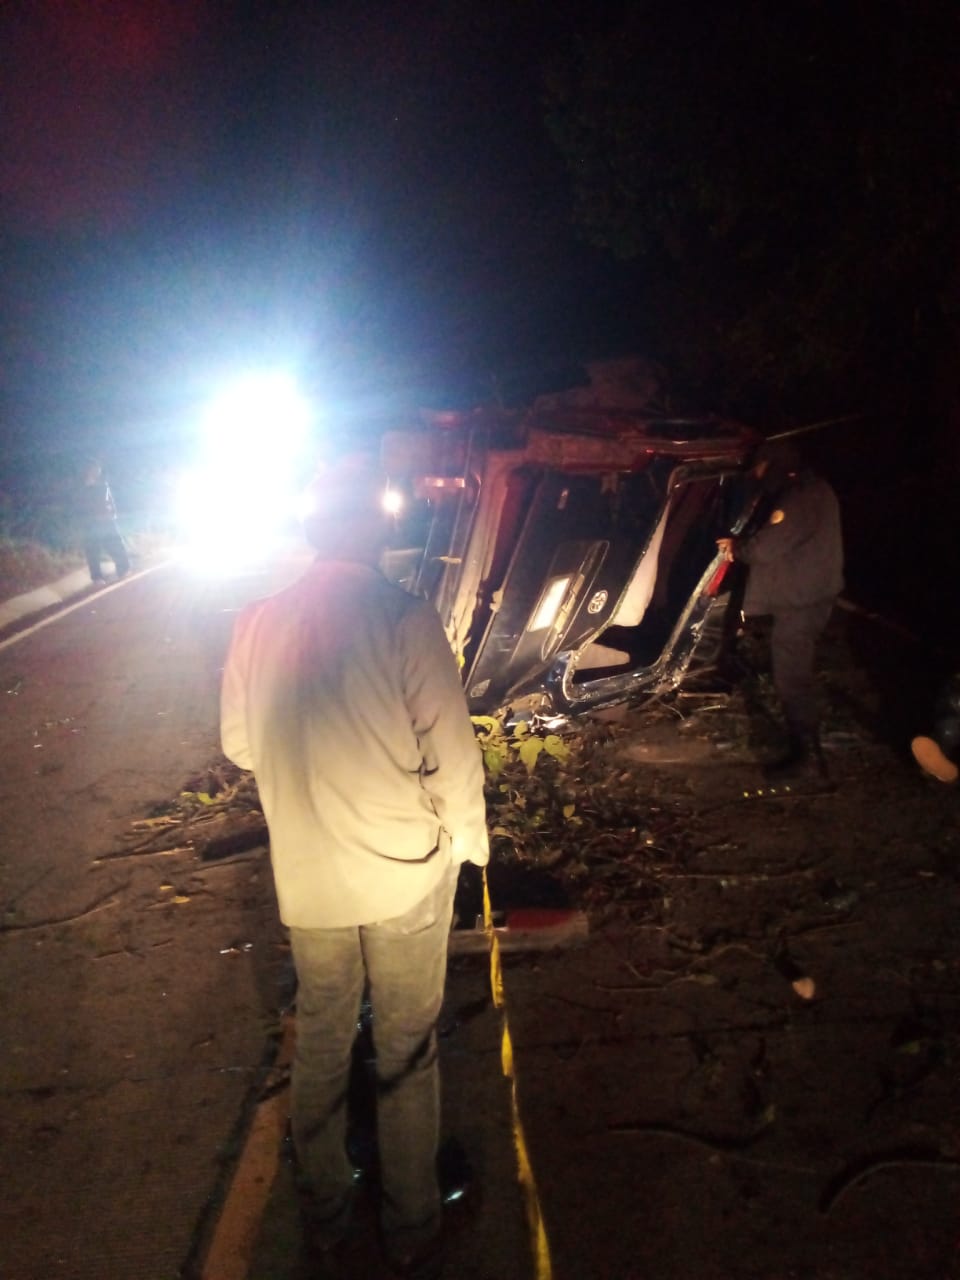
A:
(98, 517)
(795, 573)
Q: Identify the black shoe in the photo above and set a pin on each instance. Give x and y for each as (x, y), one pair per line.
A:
(325, 1234)
(791, 764)
(803, 758)
(327, 1261)
(423, 1263)
(454, 1173)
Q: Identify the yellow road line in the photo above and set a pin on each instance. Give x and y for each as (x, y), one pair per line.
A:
(231, 1248)
(234, 1237)
(538, 1233)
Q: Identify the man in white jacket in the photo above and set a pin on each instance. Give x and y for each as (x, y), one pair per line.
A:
(342, 695)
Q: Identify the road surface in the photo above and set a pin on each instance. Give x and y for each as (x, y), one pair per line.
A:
(689, 1112)
(140, 993)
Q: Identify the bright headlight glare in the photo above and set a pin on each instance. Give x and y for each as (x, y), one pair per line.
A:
(392, 501)
(263, 416)
(305, 506)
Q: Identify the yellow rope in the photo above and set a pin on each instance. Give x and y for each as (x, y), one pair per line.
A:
(538, 1234)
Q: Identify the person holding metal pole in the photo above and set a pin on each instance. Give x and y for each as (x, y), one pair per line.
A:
(795, 572)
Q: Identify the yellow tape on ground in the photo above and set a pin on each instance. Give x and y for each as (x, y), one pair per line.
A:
(538, 1234)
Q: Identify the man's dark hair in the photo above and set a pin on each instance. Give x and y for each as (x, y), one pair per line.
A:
(781, 459)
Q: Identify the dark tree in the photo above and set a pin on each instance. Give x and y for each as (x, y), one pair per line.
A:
(787, 177)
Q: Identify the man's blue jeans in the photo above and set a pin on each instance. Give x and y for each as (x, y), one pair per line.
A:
(404, 961)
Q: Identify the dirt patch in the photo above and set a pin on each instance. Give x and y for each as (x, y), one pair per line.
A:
(749, 1070)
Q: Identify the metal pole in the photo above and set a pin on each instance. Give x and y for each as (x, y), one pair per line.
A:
(818, 426)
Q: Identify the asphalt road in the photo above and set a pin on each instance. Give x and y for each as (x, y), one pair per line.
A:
(140, 993)
(688, 1113)
(144, 993)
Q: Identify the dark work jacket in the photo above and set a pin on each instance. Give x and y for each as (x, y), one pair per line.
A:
(95, 504)
(796, 559)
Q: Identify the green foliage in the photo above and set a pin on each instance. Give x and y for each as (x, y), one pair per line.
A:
(197, 797)
(500, 745)
(594, 825)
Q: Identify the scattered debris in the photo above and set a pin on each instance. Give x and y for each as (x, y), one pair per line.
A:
(143, 853)
(529, 929)
(214, 816)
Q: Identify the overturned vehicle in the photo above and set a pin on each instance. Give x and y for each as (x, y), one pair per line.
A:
(570, 553)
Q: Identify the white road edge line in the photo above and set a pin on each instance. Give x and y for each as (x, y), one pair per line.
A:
(79, 604)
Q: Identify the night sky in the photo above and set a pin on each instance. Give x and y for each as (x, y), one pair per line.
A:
(367, 194)
(361, 192)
